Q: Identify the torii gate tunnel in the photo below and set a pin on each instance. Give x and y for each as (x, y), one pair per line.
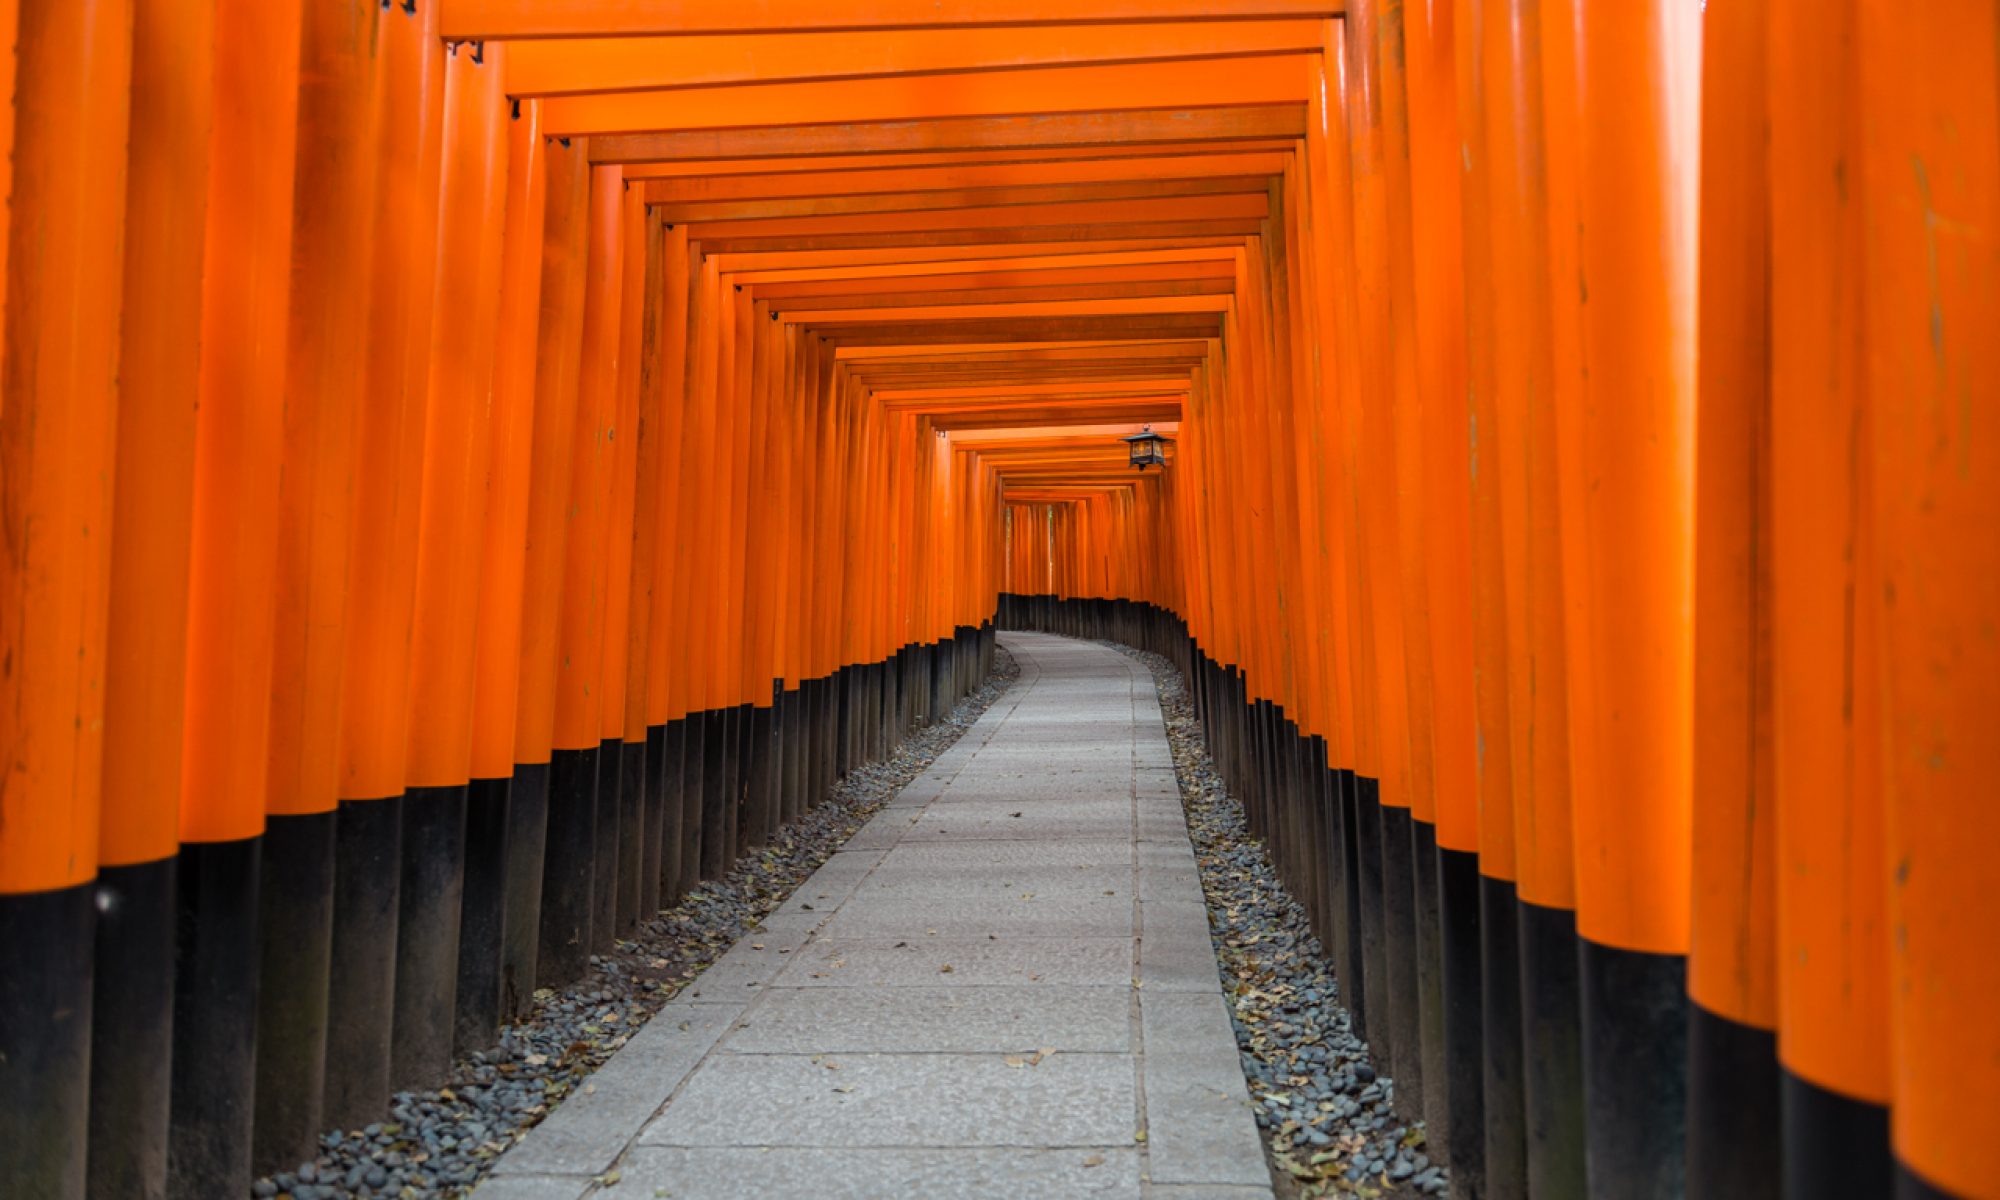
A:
(470, 468)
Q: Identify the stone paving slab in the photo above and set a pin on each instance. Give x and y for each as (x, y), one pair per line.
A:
(959, 856)
(1027, 914)
(731, 1174)
(974, 962)
(938, 1020)
(1077, 1044)
(903, 1100)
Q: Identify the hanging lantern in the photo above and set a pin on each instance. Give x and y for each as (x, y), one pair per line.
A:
(1149, 449)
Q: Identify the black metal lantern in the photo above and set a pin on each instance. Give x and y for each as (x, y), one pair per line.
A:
(1149, 449)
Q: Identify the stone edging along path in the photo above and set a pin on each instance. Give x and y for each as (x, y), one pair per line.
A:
(1329, 1120)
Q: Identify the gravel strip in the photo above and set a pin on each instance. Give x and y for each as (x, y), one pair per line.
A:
(1329, 1123)
(437, 1144)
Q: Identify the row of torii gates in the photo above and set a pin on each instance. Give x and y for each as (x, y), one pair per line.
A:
(469, 468)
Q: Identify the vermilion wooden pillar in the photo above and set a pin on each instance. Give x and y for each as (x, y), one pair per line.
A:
(1629, 530)
(1929, 188)
(569, 874)
(450, 544)
(146, 646)
(504, 822)
(1383, 822)
(1732, 955)
(58, 440)
(1482, 69)
(1832, 986)
(557, 341)
(239, 445)
(381, 576)
(333, 206)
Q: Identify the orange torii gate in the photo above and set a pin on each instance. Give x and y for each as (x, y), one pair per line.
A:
(471, 468)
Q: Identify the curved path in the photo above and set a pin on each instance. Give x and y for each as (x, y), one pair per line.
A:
(1001, 986)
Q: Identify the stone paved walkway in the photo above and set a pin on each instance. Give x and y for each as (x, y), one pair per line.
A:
(1002, 986)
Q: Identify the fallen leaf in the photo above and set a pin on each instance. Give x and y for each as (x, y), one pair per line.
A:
(1139, 1136)
(945, 969)
(1095, 1160)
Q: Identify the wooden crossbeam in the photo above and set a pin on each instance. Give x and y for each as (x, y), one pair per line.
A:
(471, 20)
(594, 66)
(1121, 127)
(805, 165)
(1038, 91)
(706, 212)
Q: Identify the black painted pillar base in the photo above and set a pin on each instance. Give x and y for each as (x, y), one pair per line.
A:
(1911, 1186)
(847, 691)
(653, 822)
(1374, 949)
(482, 920)
(1732, 1107)
(631, 832)
(759, 811)
(295, 931)
(736, 784)
(694, 799)
(1333, 854)
(1399, 935)
(666, 770)
(826, 740)
(45, 1035)
(1835, 1145)
(791, 739)
(132, 1030)
(568, 862)
(1552, 1052)
(869, 692)
(361, 980)
(1504, 1094)
(1355, 980)
(1462, 1065)
(215, 1019)
(604, 877)
(1316, 794)
(427, 935)
(718, 736)
(527, 839)
(1635, 1072)
(1436, 1107)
